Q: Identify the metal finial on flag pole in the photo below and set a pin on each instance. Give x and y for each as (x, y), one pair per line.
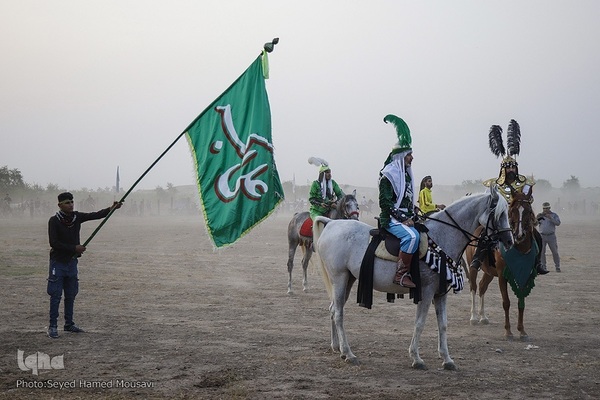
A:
(269, 46)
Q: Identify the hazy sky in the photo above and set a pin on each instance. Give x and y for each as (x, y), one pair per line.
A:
(87, 86)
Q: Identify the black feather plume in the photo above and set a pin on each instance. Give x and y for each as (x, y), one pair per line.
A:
(513, 138)
(496, 145)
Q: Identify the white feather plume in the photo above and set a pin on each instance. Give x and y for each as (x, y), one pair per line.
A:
(319, 162)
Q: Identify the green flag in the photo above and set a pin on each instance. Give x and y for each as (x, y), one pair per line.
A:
(232, 147)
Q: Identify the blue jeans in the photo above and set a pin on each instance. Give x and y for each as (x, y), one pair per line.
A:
(62, 277)
(408, 235)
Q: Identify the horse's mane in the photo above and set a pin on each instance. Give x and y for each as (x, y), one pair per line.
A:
(501, 205)
(348, 196)
(345, 199)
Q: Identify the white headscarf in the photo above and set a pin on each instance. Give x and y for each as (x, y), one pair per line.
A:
(394, 171)
(326, 184)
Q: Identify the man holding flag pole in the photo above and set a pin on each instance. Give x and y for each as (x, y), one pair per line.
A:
(238, 182)
(65, 249)
(231, 144)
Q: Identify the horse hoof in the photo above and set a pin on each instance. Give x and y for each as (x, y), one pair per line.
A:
(474, 322)
(290, 292)
(484, 321)
(525, 338)
(352, 360)
(510, 337)
(419, 365)
(449, 366)
(305, 289)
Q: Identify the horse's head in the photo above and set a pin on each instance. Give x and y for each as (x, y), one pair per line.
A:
(347, 207)
(495, 219)
(521, 216)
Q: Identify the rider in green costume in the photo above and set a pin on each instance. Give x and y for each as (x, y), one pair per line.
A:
(324, 192)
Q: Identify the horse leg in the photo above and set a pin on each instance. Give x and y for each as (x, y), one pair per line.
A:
(484, 283)
(307, 254)
(290, 263)
(413, 350)
(427, 292)
(521, 327)
(335, 341)
(473, 290)
(505, 305)
(339, 341)
(442, 321)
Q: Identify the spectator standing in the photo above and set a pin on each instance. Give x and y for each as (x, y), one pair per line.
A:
(548, 221)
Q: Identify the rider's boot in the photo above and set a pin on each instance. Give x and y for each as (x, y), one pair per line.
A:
(541, 268)
(476, 261)
(402, 277)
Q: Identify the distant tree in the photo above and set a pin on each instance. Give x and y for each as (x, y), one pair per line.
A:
(161, 193)
(11, 179)
(52, 188)
(288, 187)
(469, 186)
(37, 188)
(571, 185)
(542, 185)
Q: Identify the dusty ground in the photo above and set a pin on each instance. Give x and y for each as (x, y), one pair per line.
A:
(161, 307)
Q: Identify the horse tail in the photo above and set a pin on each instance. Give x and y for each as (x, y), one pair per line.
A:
(318, 226)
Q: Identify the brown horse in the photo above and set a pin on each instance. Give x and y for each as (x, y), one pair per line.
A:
(520, 273)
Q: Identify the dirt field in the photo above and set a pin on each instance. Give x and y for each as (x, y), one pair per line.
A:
(161, 309)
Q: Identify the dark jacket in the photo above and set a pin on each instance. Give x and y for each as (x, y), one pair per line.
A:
(64, 238)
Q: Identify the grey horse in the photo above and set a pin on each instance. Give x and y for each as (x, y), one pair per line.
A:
(347, 208)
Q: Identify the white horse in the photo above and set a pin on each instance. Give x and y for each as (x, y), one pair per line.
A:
(341, 245)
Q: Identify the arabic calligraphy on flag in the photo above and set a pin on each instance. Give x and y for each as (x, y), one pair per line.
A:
(232, 148)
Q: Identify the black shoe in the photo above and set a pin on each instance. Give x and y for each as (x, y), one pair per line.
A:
(53, 332)
(541, 270)
(73, 328)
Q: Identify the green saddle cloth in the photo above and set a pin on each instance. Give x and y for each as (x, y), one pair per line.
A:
(520, 270)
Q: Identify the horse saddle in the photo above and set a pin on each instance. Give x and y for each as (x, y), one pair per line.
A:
(306, 228)
(389, 248)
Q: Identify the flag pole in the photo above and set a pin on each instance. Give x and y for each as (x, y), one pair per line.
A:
(268, 47)
(132, 187)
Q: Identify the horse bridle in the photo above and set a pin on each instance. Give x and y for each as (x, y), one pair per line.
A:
(488, 240)
(520, 221)
(346, 215)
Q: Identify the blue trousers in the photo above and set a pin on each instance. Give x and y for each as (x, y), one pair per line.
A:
(408, 235)
(62, 277)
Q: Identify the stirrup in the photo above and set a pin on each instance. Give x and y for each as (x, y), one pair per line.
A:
(399, 281)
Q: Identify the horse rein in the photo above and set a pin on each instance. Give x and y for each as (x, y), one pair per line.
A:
(490, 239)
(349, 216)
